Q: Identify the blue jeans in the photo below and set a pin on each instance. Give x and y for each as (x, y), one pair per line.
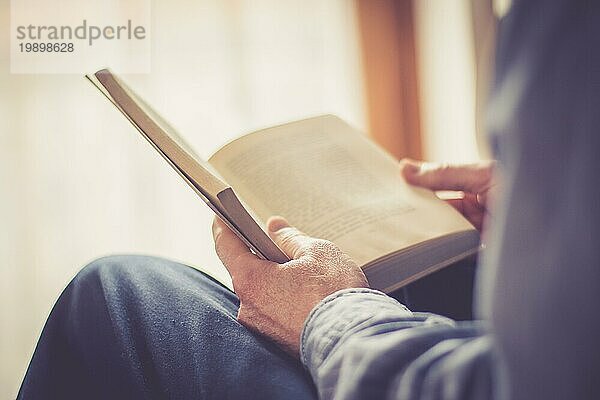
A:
(140, 327)
(143, 327)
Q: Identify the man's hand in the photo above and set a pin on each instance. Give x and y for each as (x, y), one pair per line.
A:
(474, 180)
(275, 299)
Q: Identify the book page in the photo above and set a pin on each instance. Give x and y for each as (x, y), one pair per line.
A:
(334, 183)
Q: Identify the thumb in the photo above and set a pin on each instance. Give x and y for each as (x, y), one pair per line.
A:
(466, 177)
(289, 239)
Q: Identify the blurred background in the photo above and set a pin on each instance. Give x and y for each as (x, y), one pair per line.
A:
(78, 182)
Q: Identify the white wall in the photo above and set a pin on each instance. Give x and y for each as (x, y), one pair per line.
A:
(78, 182)
(446, 69)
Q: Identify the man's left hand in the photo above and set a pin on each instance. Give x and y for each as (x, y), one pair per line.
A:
(275, 299)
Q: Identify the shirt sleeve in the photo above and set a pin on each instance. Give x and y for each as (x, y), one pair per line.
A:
(361, 343)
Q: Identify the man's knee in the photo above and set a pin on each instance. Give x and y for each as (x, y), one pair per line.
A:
(144, 280)
(112, 284)
(112, 267)
(113, 274)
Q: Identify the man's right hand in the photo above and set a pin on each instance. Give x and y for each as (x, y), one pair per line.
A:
(474, 180)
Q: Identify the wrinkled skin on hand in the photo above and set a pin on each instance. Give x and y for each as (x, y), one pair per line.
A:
(275, 299)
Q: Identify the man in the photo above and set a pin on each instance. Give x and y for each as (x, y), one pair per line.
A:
(139, 327)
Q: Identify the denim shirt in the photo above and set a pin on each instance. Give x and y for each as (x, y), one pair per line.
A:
(362, 344)
(539, 280)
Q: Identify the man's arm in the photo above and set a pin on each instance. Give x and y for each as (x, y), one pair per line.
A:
(356, 342)
(362, 344)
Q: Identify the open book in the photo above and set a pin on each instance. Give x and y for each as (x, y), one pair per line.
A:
(326, 179)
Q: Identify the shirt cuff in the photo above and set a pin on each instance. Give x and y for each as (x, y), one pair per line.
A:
(338, 316)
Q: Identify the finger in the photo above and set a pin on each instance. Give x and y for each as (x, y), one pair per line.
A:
(229, 247)
(473, 211)
(289, 239)
(409, 167)
(466, 177)
(457, 204)
(469, 208)
(481, 198)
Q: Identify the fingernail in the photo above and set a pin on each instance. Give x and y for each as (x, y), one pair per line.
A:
(277, 223)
